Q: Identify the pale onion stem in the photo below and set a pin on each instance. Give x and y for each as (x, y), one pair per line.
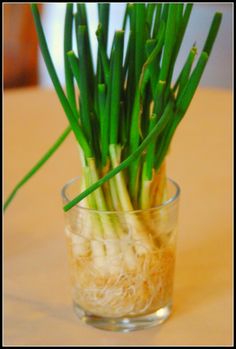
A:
(142, 241)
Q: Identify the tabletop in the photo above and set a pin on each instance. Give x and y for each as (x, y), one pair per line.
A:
(37, 301)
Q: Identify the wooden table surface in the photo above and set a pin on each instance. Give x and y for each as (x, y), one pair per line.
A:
(37, 303)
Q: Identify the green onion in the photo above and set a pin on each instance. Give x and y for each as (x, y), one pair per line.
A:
(127, 115)
(129, 109)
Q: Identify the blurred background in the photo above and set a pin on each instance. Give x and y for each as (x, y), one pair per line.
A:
(24, 66)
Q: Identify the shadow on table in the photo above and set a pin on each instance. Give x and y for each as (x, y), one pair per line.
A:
(58, 311)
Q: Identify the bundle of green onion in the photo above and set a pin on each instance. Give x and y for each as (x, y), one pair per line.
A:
(128, 109)
(123, 118)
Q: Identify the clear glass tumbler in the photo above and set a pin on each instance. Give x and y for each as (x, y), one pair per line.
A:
(122, 262)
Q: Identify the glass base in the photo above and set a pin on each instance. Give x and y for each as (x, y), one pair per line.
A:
(124, 324)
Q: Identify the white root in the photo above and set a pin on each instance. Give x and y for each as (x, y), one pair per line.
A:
(126, 293)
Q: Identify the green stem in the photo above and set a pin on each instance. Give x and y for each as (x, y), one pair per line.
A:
(149, 18)
(140, 38)
(37, 166)
(182, 105)
(81, 20)
(74, 64)
(215, 25)
(68, 47)
(102, 53)
(185, 73)
(116, 86)
(181, 25)
(169, 41)
(103, 15)
(157, 20)
(52, 72)
(85, 92)
(186, 96)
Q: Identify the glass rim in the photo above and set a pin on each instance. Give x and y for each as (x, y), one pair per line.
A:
(166, 203)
